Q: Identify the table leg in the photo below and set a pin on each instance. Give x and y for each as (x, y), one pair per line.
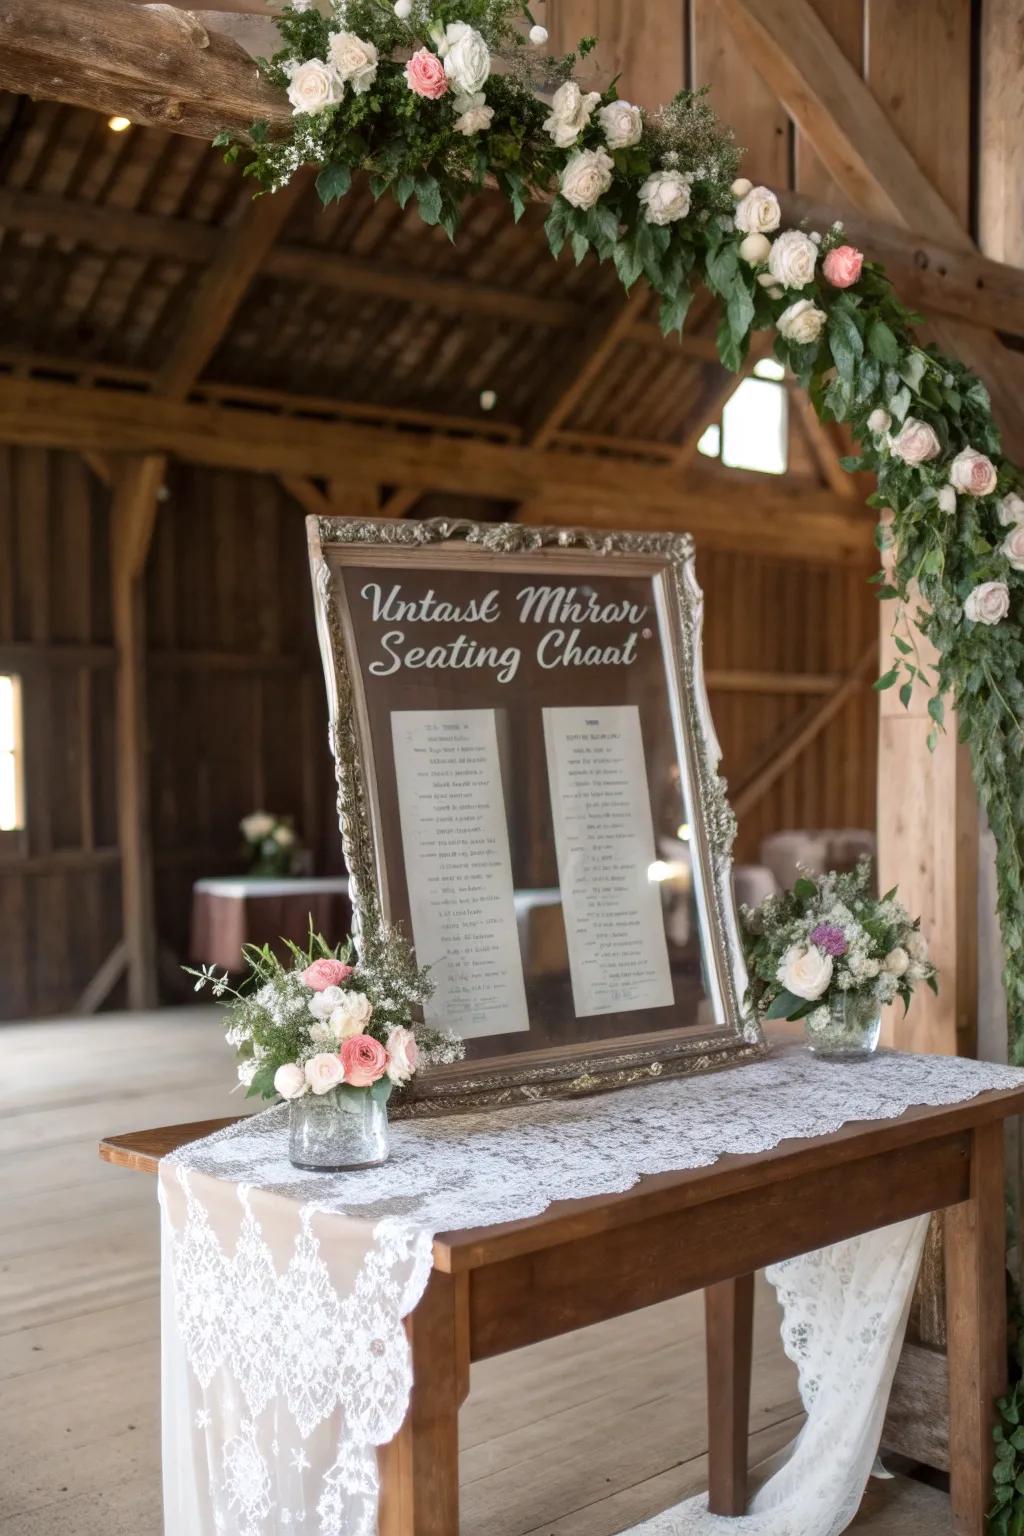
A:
(729, 1315)
(976, 1312)
(420, 1468)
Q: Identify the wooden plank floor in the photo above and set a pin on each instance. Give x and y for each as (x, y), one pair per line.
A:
(582, 1436)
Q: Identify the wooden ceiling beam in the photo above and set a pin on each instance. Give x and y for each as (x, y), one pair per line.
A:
(767, 517)
(571, 381)
(156, 65)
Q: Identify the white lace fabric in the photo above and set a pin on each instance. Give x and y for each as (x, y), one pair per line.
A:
(285, 1362)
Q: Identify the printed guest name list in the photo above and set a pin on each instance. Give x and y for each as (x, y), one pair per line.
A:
(458, 868)
(604, 841)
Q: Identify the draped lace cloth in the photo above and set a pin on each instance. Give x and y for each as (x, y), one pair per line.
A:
(285, 1362)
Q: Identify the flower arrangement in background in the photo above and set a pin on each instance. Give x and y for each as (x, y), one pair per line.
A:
(327, 1023)
(271, 843)
(828, 937)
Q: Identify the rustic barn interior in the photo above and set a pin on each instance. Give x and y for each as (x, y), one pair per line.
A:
(184, 374)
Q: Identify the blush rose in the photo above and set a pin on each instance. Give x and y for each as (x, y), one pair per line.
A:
(326, 973)
(842, 266)
(403, 1054)
(364, 1060)
(973, 473)
(425, 76)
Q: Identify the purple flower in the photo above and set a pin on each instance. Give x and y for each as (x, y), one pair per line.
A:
(830, 938)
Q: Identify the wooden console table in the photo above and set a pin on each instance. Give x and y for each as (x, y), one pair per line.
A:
(494, 1289)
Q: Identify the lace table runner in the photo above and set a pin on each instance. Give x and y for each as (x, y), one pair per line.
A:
(285, 1362)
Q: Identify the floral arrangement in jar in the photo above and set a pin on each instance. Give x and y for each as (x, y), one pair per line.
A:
(333, 1035)
(831, 953)
(271, 843)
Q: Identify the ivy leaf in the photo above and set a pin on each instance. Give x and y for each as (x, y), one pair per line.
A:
(580, 245)
(332, 183)
(428, 195)
(886, 680)
(912, 369)
(627, 263)
(721, 267)
(555, 226)
(403, 189)
(845, 343)
(906, 693)
(936, 709)
(882, 343)
(899, 405)
(673, 310)
(739, 309)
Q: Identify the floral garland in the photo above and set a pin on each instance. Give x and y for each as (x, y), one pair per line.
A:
(409, 93)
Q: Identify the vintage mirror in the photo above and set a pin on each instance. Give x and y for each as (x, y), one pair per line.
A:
(527, 784)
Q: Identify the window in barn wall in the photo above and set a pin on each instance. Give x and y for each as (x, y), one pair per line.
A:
(12, 778)
(754, 430)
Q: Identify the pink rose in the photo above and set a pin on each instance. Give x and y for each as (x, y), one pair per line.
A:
(425, 74)
(364, 1060)
(842, 266)
(326, 973)
(973, 473)
(403, 1052)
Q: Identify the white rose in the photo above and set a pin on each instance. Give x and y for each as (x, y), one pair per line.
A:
(587, 175)
(988, 603)
(792, 259)
(916, 442)
(946, 499)
(879, 420)
(290, 1081)
(1011, 509)
(351, 1015)
(402, 8)
(758, 212)
(755, 250)
(973, 473)
(256, 827)
(1013, 546)
(806, 971)
(314, 86)
(354, 59)
(403, 1054)
(740, 187)
(570, 113)
(802, 322)
(474, 114)
(896, 961)
(665, 197)
(322, 1004)
(324, 1072)
(284, 837)
(622, 124)
(467, 59)
(538, 36)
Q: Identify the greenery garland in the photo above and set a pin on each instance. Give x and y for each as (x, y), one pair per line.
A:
(410, 94)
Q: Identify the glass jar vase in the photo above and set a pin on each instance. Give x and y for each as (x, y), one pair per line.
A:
(846, 1028)
(343, 1129)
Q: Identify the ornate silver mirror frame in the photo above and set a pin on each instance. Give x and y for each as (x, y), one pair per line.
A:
(555, 1070)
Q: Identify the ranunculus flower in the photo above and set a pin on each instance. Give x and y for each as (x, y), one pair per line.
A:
(622, 124)
(325, 1072)
(1013, 546)
(290, 1081)
(988, 603)
(896, 961)
(1011, 509)
(314, 86)
(973, 473)
(802, 322)
(570, 113)
(946, 499)
(758, 211)
(805, 971)
(792, 258)
(879, 420)
(474, 115)
(354, 59)
(403, 1054)
(842, 266)
(425, 76)
(467, 59)
(587, 175)
(326, 973)
(665, 197)
(364, 1059)
(351, 1015)
(916, 442)
(755, 250)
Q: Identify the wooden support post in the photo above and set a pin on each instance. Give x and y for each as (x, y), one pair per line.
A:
(420, 1467)
(132, 521)
(729, 1313)
(976, 1310)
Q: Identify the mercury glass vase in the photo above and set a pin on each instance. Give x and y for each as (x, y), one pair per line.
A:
(330, 1132)
(847, 1028)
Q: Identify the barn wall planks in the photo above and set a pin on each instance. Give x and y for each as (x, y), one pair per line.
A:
(236, 706)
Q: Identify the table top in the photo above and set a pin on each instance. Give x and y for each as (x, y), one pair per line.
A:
(249, 886)
(652, 1196)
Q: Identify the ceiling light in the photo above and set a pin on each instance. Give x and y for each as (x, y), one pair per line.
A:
(118, 124)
